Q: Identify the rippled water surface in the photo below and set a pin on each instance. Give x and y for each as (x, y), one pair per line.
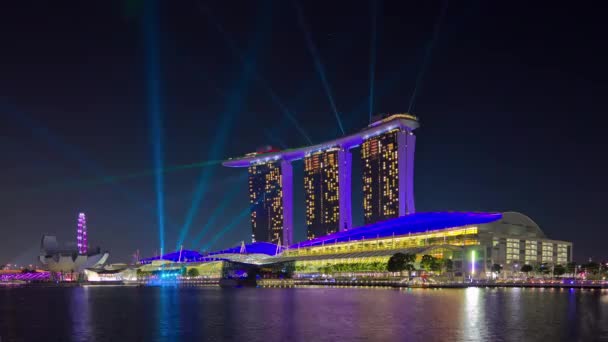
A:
(302, 314)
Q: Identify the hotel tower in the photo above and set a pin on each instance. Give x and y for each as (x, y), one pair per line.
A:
(387, 152)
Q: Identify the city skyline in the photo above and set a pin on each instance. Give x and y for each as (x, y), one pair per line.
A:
(506, 123)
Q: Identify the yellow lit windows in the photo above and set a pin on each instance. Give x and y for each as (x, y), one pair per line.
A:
(512, 250)
(531, 252)
(562, 254)
(547, 252)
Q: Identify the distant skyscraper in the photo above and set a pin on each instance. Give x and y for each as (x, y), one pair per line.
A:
(81, 237)
(388, 171)
(270, 195)
(327, 189)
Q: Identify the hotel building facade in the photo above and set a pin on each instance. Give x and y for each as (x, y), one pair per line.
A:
(270, 195)
(388, 171)
(388, 156)
(328, 205)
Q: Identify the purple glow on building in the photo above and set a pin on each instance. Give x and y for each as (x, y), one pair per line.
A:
(413, 223)
(404, 123)
(406, 147)
(347, 142)
(29, 276)
(287, 202)
(194, 256)
(81, 236)
(345, 159)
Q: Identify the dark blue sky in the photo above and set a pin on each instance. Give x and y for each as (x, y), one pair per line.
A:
(512, 108)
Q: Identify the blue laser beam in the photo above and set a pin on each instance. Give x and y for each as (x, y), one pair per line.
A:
(85, 162)
(273, 138)
(239, 55)
(219, 210)
(372, 57)
(233, 106)
(237, 220)
(428, 54)
(317, 62)
(153, 92)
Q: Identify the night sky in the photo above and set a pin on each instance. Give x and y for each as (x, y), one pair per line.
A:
(511, 103)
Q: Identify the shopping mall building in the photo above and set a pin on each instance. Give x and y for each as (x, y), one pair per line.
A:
(473, 241)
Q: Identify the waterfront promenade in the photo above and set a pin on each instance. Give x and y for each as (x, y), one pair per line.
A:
(389, 283)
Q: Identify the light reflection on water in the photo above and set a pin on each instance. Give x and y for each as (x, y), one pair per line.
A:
(80, 314)
(302, 314)
(472, 315)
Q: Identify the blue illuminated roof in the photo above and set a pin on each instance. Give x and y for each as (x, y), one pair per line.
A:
(413, 223)
(187, 255)
(252, 248)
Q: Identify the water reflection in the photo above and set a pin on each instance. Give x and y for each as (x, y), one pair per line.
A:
(80, 314)
(302, 314)
(472, 315)
(168, 311)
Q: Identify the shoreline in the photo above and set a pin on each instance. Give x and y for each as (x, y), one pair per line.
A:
(290, 283)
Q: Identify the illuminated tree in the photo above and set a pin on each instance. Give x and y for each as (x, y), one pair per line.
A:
(400, 262)
(428, 263)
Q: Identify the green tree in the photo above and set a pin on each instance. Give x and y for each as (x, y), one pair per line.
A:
(396, 263)
(527, 269)
(559, 270)
(409, 268)
(591, 267)
(193, 272)
(410, 258)
(427, 261)
(571, 268)
(496, 268)
(436, 265)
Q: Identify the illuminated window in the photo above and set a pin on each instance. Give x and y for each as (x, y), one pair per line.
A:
(531, 252)
(512, 250)
(547, 252)
(562, 254)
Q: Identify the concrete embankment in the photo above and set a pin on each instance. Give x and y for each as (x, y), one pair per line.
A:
(399, 284)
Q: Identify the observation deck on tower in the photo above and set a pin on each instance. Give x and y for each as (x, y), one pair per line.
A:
(404, 121)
